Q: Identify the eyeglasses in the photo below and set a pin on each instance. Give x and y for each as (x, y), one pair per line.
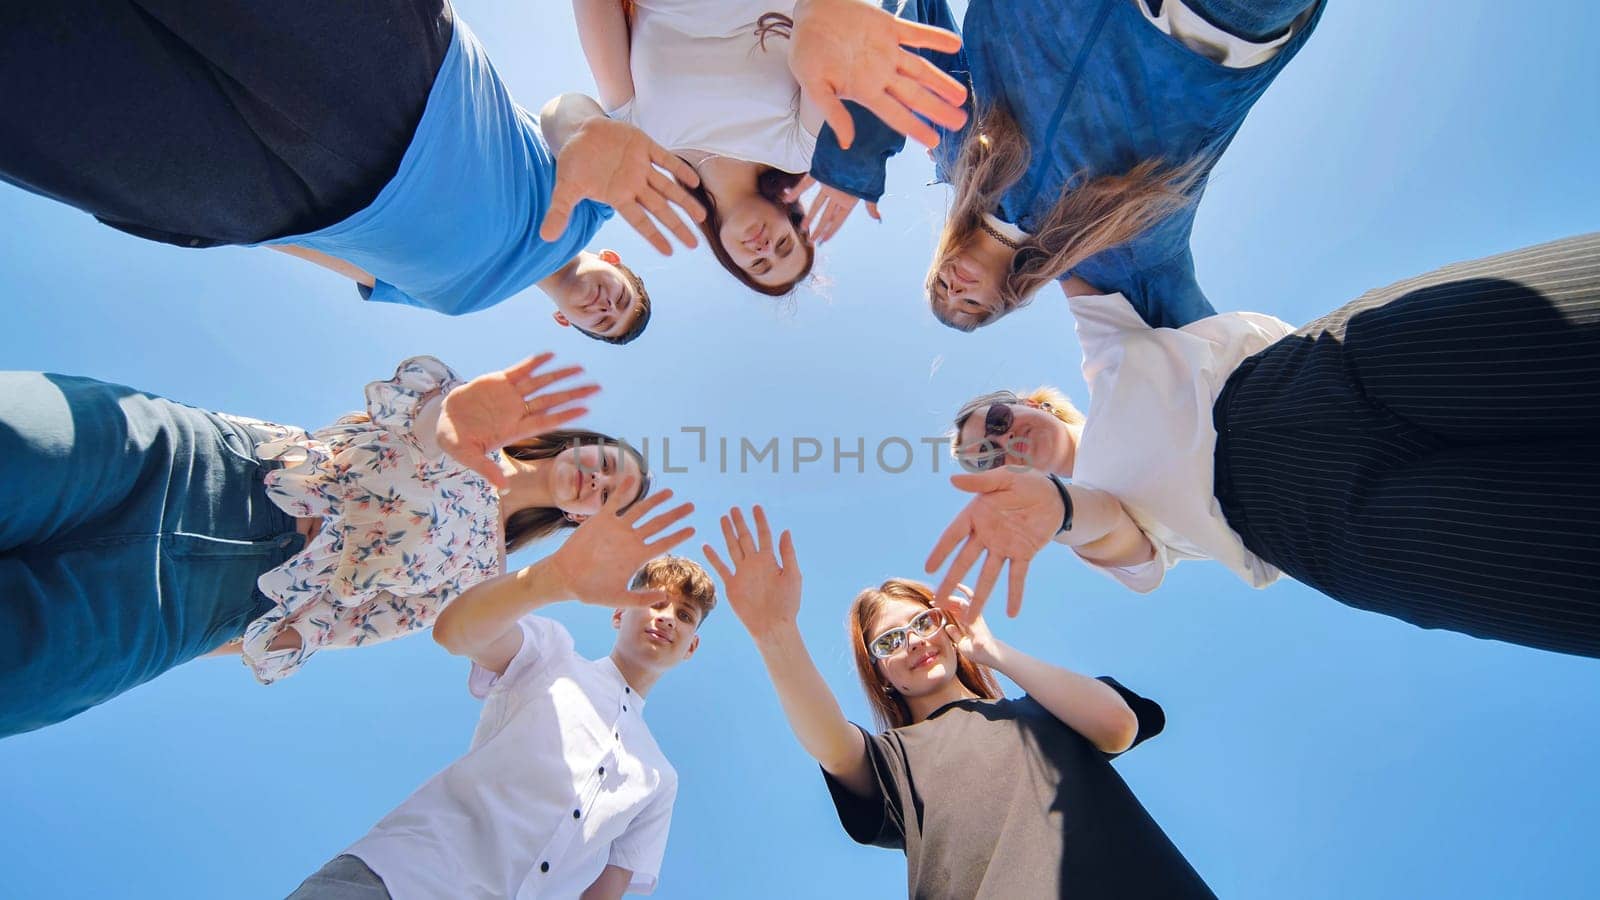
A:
(924, 625)
(990, 454)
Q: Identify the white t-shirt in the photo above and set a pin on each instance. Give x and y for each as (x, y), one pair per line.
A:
(562, 778)
(702, 82)
(1206, 39)
(1149, 440)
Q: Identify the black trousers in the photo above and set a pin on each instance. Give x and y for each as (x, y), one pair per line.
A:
(1432, 450)
(204, 122)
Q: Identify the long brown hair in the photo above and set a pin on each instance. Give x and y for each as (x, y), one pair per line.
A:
(888, 707)
(771, 184)
(525, 526)
(1102, 212)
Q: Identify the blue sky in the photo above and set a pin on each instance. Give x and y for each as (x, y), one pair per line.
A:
(1312, 750)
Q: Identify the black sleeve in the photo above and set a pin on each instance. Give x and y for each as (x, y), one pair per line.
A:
(873, 819)
(1149, 713)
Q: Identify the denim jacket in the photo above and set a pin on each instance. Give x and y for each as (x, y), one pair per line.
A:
(1095, 89)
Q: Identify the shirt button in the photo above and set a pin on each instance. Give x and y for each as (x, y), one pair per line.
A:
(626, 689)
(575, 814)
(544, 866)
(602, 770)
(624, 707)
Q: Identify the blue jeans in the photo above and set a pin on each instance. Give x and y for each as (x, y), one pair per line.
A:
(133, 532)
(344, 877)
(1253, 20)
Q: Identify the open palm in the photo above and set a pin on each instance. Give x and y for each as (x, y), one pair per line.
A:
(595, 563)
(504, 407)
(763, 587)
(851, 50)
(620, 166)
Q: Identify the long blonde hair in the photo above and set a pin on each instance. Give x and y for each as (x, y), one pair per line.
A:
(888, 707)
(1102, 212)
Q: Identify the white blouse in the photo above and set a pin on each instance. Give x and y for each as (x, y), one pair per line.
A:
(404, 530)
(1149, 439)
(702, 82)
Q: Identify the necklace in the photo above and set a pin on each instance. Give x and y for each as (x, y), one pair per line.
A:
(983, 222)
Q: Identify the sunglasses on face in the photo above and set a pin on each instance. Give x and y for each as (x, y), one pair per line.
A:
(924, 625)
(991, 454)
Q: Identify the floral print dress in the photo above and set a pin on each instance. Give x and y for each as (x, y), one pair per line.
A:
(404, 530)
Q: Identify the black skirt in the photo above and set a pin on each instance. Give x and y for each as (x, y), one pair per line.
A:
(205, 122)
(1432, 450)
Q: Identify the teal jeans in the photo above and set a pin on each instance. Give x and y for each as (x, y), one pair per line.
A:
(133, 532)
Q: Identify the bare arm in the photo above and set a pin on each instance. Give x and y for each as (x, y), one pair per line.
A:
(813, 712)
(353, 272)
(611, 885)
(1102, 532)
(1088, 706)
(592, 566)
(766, 597)
(607, 45)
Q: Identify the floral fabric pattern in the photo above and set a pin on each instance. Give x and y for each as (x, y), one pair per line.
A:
(403, 532)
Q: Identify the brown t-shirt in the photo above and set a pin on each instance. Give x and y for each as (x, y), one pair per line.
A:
(999, 799)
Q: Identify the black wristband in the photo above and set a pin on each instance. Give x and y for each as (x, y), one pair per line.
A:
(1066, 502)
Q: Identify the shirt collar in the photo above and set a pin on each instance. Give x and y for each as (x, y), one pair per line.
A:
(636, 699)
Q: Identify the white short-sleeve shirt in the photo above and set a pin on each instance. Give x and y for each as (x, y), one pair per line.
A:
(562, 778)
(1149, 438)
(701, 81)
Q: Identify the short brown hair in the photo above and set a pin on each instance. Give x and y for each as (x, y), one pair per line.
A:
(681, 576)
(641, 317)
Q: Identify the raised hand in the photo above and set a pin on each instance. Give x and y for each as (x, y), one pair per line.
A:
(618, 165)
(762, 587)
(504, 407)
(1014, 515)
(975, 641)
(852, 50)
(594, 564)
(828, 210)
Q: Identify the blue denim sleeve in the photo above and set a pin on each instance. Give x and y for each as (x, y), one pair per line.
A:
(1168, 295)
(859, 171)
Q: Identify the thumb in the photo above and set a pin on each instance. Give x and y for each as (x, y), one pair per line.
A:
(983, 482)
(872, 210)
(484, 466)
(644, 598)
(562, 202)
(838, 118)
(800, 187)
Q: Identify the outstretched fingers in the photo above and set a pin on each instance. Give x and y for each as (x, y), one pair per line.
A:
(927, 37)
(835, 114)
(633, 214)
(658, 524)
(963, 563)
(1017, 580)
(786, 554)
(563, 201)
(763, 530)
(525, 369)
(747, 542)
(669, 188)
(641, 507)
(717, 564)
(731, 538)
(896, 115)
(656, 548)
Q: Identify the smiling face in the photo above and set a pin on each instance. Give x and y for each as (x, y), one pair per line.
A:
(964, 289)
(1014, 434)
(922, 664)
(583, 477)
(597, 297)
(760, 239)
(658, 637)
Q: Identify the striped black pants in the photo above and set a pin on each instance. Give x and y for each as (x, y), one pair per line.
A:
(1431, 451)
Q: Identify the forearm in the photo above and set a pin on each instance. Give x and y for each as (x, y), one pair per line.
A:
(471, 624)
(603, 34)
(1088, 706)
(813, 712)
(564, 116)
(1103, 532)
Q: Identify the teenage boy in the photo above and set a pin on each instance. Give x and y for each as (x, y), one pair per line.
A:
(563, 792)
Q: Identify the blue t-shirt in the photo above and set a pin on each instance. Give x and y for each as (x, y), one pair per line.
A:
(457, 228)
